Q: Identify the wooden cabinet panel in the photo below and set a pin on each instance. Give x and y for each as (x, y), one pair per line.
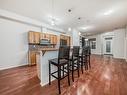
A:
(32, 57)
(37, 37)
(55, 39)
(44, 36)
(68, 41)
(47, 36)
(34, 37)
(41, 36)
(51, 39)
(31, 37)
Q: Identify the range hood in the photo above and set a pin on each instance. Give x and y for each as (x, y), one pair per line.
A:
(45, 42)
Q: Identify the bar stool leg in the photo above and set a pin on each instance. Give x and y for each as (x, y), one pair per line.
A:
(49, 73)
(82, 65)
(63, 71)
(68, 74)
(72, 70)
(78, 67)
(59, 77)
(89, 62)
(86, 63)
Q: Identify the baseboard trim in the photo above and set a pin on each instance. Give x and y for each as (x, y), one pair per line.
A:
(43, 85)
(14, 67)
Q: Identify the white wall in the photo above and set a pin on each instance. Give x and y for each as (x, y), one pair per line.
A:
(14, 43)
(13, 38)
(26, 20)
(126, 43)
(75, 38)
(118, 42)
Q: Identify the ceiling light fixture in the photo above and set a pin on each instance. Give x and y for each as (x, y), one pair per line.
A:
(86, 39)
(69, 10)
(86, 27)
(108, 12)
(79, 18)
(69, 29)
(79, 33)
(52, 22)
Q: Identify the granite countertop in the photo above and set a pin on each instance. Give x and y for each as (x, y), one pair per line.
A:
(48, 49)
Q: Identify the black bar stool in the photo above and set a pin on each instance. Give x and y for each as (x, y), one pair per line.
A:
(74, 61)
(89, 54)
(83, 59)
(62, 60)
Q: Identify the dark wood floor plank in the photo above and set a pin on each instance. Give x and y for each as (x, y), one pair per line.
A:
(108, 76)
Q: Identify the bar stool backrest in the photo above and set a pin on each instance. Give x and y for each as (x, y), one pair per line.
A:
(64, 52)
(75, 51)
(84, 51)
(89, 50)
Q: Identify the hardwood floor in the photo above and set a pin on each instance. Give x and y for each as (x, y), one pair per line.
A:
(108, 76)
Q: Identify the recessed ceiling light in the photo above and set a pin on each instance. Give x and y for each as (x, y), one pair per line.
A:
(86, 39)
(52, 22)
(69, 10)
(69, 29)
(108, 12)
(79, 18)
(86, 27)
(79, 33)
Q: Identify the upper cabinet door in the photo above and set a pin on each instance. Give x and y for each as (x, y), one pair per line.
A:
(31, 37)
(55, 39)
(44, 36)
(34, 37)
(37, 37)
(68, 41)
(52, 39)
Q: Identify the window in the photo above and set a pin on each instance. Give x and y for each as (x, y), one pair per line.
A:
(92, 43)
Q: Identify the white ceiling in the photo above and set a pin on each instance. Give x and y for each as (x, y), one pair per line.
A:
(96, 15)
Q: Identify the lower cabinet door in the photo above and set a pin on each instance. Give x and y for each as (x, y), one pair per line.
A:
(32, 57)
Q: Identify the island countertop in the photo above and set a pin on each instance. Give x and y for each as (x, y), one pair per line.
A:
(48, 49)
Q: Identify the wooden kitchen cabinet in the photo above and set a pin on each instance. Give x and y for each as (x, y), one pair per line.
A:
(53, 39)
(67, 38)
(68, 41)
(44, 36)
(33, 57)
(34, 37)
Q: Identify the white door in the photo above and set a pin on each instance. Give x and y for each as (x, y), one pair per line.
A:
(108, 46)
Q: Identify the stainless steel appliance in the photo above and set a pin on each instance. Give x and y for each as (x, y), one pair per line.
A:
(45, 42)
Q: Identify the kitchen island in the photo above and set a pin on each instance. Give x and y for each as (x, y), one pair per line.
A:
(43, 56)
